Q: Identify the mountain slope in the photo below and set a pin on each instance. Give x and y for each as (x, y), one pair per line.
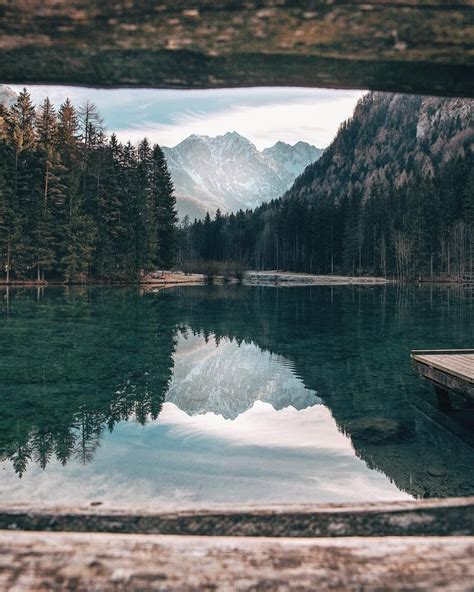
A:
(7, 95)
(229, 173)
(389, 140)
(392, 194)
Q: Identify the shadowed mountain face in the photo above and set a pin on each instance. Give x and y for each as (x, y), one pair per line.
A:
(229, 173)
(389, 140)
(244, 383)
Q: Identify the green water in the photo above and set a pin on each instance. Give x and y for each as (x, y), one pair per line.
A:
(229, 394)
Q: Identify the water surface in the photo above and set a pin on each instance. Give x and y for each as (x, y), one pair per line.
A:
(229, 394)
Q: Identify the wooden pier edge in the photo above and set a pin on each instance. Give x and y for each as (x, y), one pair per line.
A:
(436, 517)
(450, 370)
(408, 545)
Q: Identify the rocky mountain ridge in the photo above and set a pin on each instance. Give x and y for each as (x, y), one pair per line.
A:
(229, 173)
(7, 95)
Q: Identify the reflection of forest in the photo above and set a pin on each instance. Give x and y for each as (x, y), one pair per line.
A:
(74, 364)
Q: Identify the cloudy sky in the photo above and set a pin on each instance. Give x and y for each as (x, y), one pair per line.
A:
(264, 115)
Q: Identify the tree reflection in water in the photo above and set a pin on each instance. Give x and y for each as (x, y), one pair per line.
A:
(76, 362)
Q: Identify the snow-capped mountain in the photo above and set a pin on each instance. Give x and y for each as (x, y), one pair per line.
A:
(292, 159)
(7, 95)
(229, 173)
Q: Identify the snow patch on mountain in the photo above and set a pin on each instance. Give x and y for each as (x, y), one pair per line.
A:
(229, 173)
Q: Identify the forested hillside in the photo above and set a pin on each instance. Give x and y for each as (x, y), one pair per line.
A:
(76, 205)
(393, 194)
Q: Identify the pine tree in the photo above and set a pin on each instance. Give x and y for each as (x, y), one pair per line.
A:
(111, 221)
(164, 211)
(8, 222)
(130, 210)
(50, 193)
(20, 120)
(91, 125)
(67, 134)
(145, 220)
(77, 247)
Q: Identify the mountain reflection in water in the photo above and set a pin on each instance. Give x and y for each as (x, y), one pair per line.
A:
(245, 394)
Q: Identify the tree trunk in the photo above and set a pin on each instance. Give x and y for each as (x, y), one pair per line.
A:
(8, 262)
(46, 181)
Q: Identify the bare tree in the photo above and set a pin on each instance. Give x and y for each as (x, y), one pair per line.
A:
(459, 239)
(403, 255)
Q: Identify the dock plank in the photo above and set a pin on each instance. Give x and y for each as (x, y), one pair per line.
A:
(457, 364)
(453, 365)
(449, 371)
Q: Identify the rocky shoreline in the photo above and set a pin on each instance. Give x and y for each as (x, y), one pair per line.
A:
(251, 278)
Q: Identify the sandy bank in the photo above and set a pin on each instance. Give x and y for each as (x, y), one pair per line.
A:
(288, 278)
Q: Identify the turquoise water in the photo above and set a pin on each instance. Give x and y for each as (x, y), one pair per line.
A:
(229, 394)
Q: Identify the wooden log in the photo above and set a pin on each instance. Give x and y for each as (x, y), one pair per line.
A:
(411, 518)
(104, 562)
(421, 46)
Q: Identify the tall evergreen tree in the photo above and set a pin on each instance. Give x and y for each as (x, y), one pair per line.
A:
(20, 122)
(50, 191)
(164, 211)
(76, 250)
(8, 218)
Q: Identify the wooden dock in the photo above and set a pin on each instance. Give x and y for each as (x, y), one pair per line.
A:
(450, 370)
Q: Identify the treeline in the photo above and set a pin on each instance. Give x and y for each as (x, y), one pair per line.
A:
(76, 205)
(383, 199)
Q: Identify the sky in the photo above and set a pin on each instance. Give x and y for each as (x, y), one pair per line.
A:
(263, 115)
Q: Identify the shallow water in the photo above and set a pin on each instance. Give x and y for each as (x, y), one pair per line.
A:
(229, 394)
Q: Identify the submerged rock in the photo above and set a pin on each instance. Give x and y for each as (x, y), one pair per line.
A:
(437, 471)
(378, 430)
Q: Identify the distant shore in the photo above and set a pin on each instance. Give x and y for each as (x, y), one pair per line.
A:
(290, 278)
(166, 278)
(251, 278)
(170, 279)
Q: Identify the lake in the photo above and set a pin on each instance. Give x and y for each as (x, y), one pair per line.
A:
(207, 394)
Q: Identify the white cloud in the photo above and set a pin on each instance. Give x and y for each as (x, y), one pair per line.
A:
(262, 425)
(315, 122)
(264, 115)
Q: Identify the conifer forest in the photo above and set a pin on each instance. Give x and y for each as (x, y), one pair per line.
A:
(392, 195)
(76, 205)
